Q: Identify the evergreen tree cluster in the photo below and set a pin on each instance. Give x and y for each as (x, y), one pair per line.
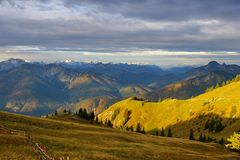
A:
(82, 113)
(65, 111)
(109, 123)
(204, 138)
(162, 133)
(138, 99)
(215, 87)
(130, 129)
(140, 129)
(236, 79)
(214, 125)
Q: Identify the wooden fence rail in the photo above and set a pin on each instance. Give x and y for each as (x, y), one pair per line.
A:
(39, 148)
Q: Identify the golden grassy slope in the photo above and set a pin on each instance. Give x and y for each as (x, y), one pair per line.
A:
(88, 142)
(192, 113)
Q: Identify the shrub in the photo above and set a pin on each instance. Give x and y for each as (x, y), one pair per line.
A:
(234, 141)
(221, 141)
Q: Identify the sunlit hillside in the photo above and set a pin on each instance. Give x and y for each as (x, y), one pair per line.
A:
(68, 136)
(221, 107)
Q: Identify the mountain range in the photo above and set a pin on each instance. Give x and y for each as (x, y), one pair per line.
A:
(39, 88)
(195, 81)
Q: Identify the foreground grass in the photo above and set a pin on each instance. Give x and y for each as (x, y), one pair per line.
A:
(67, 137)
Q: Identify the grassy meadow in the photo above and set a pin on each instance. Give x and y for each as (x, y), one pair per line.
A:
(67, 136)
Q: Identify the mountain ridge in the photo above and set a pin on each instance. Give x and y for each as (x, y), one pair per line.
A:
(196, 81)
(222, 102)
(38, 88)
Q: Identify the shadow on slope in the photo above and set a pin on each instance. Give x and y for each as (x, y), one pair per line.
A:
(210, 125)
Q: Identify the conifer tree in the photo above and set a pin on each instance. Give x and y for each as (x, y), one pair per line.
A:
(169, 134)
(143, 131)
(200, 138)
(109, 124)
(209, 139)
(212, 125)
(162, 132)
(80, 113)
(85, 114)
(131, 129)
(96, 119)
(92, 116)
(138, 128)
(223, 83)
(204, 138)
(219, 127)
(191, 136)
(209, 89)
(206, 125)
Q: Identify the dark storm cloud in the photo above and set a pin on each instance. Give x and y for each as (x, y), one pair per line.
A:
(121, 25)
(167, 9)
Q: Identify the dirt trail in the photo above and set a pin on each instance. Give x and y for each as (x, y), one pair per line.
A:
(39, 148)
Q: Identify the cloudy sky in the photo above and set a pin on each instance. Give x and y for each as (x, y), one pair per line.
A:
(162, 32)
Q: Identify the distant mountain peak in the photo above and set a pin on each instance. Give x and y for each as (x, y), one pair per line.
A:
(11, 63)
(15, 60)
(213, 64)
(18, 59)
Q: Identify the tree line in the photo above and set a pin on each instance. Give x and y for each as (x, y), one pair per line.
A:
(235, 79)
(213, 125)
(204, 138)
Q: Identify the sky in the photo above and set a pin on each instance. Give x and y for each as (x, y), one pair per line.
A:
(161, 32)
